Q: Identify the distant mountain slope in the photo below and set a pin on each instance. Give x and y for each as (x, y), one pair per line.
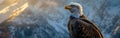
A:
(48, 18)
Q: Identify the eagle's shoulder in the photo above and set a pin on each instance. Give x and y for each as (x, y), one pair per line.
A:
(84, 27)
(90, 24)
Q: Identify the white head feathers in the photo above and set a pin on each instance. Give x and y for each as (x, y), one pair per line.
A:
(79, 5)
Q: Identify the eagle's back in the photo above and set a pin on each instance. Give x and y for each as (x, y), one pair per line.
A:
(83, 28)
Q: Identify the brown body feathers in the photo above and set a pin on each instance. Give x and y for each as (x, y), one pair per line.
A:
(83, 28)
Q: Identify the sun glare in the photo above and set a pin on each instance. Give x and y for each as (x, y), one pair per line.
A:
(18, 11)
(6, 9)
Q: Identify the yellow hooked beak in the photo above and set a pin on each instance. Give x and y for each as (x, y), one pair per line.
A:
(67, 7)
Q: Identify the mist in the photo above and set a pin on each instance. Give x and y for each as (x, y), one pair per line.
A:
(49, 19)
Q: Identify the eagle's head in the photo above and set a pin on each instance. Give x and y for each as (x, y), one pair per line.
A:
(75, 9)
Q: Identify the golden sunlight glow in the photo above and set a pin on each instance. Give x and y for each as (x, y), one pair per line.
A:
(1, 1)
(18, 11)
(6, 5)
(6, 9)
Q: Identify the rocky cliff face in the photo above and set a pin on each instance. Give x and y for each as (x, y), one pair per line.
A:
(48, 18)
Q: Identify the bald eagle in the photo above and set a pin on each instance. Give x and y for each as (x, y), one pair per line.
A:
(79, 26)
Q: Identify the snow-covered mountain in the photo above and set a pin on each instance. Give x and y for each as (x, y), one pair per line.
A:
(48, 18)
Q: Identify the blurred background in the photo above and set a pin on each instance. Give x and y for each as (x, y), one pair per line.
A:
(48, 18)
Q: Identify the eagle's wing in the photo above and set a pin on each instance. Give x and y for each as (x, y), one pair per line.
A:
(83, 28)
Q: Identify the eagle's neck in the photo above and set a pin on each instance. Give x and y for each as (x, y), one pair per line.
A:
(75, 15)
(83, 16)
